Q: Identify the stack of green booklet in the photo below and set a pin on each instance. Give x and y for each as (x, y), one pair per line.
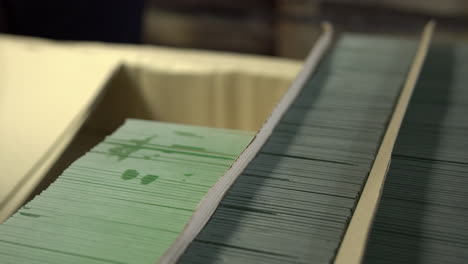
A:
(423, 214)
(126, 200)
(293, 202)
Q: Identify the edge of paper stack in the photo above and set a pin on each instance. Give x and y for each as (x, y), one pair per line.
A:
(214, 196)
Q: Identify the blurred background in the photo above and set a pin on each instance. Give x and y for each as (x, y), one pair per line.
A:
(285, 28)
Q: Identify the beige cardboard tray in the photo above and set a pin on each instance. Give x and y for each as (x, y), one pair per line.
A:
(59, 99)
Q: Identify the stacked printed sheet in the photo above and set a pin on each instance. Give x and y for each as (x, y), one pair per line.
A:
(126, 200)
(293, 202)
(423, 214)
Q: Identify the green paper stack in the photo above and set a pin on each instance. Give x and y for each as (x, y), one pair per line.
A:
(423, 214)
(126, 200)
(293, 202)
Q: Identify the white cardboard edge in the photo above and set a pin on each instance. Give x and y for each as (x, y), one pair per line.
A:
(210, 202)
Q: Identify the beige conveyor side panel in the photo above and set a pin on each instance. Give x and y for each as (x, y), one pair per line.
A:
(215, 89)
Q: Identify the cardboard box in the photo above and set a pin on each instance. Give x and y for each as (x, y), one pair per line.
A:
(59, 99)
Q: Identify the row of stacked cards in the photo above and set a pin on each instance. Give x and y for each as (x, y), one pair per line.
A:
(126, 200)
(293, 202)
(423, 214)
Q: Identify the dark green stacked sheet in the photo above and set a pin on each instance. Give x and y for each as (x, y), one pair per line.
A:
(423, 214)
(292, 204)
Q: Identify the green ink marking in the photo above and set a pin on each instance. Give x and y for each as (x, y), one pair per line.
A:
(129, 174)
(149, 179)
(123, 146)
(188, 147)
(123, 151)
(188, 174)
(30, 215)
(167, 151)
(187, 134)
